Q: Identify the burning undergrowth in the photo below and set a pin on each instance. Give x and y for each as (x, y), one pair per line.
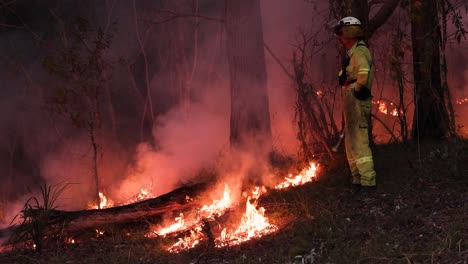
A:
(226, 218)
(227, 221)
(221, 217)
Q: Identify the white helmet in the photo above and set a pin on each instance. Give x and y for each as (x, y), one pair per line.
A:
(347, 21)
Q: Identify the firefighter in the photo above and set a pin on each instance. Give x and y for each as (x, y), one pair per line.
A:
(355, 78)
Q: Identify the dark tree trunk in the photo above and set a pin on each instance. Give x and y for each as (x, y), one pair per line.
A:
(250, 115)
(430, 117)
(360, 10)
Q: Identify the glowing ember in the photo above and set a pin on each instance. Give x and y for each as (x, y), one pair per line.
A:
(305, 176)
(460, 101)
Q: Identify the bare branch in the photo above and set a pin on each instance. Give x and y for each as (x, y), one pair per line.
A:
(279, 62)
(176, 15)
(385, 11)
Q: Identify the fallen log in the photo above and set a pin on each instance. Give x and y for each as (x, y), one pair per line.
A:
(72, 221)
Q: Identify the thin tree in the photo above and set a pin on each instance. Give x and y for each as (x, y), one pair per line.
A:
(81, 69)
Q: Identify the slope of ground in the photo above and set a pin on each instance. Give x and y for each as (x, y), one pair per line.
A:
(418, 214)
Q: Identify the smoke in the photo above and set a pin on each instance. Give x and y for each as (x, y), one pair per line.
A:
(187, 142)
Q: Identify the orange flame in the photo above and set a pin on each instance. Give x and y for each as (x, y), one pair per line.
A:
(305, 176)
(144, 194)
(188, 242)
(104, 202)
(383, 108)
(218, 207)
(252, 224)
(178, 226)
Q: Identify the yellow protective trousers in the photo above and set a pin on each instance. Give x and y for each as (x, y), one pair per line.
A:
(358, 152)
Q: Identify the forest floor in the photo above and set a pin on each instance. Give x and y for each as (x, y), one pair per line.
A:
(418, 214)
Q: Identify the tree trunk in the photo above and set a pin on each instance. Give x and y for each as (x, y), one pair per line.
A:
(250, 115)
(430, 118)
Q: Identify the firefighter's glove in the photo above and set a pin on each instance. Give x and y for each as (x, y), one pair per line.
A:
(362, 93)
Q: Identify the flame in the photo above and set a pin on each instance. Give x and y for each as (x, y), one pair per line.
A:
(178, 226)
(383, 108)
(144, 194)
(218, 207)
(252, 224)
(305, 176)
(460, 101)
(104, 202)
(188, 242)
(99, 233)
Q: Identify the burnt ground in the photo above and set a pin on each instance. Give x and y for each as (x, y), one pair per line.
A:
(418, 214)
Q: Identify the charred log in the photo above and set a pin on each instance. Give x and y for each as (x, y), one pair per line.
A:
(154, 209)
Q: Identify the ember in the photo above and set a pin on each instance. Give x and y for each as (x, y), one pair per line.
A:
(460, 101)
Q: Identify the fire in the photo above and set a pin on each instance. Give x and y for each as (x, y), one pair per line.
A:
(178, 226)
(104, 202)
(218, 207)
(384, 108)
(252, 224)
(188, 242)
(99, 233)
(305, 176)
(144, 194)
(460, 101)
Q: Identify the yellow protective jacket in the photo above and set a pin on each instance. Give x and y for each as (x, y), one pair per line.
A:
(357, 115)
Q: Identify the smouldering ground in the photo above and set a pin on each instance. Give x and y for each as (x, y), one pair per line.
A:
(419, 214)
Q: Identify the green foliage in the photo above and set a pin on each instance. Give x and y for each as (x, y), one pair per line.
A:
(34, 217)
